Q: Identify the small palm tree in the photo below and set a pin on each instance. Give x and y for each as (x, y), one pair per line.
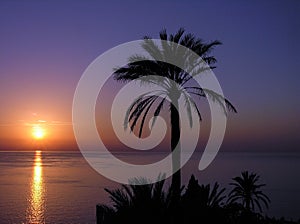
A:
(247, 191)
(181, 85)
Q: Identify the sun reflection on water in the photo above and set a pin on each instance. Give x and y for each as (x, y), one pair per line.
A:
(36, 207)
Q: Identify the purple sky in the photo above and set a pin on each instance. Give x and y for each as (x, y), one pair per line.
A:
(46, 45)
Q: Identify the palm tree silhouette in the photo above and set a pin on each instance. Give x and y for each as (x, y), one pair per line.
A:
(202, 202)
(247, 191)
(136, 203)
(181, 84)
(150, 203)
(203, 195)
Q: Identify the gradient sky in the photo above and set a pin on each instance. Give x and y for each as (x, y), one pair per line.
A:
(46, 45)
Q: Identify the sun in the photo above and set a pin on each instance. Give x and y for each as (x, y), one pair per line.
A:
(38, 132)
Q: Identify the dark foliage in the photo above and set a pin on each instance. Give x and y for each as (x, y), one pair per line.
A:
(247, 190)
(153, 203)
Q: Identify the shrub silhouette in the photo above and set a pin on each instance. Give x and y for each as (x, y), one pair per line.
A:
(198, 203)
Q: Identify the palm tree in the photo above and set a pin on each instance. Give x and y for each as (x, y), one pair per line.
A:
(247, 191)
(160, 73)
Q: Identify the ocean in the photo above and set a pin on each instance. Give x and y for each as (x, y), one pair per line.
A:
(61, 188)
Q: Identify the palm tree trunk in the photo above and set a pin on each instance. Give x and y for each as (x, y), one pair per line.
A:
(248, 204)
(175, 144)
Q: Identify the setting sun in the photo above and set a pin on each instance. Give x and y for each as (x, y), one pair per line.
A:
(38, 132)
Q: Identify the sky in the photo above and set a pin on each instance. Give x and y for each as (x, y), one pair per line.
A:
(47, 45)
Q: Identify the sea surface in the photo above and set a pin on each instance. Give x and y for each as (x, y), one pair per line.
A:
(61, 188)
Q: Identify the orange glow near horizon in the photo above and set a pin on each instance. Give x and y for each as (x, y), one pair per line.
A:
(38, 132)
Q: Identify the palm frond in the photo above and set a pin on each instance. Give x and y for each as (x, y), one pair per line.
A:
(152, 49)
(163, 34)
(132, 105)
(221, 100)
(139, 110)
(193, 104)
(157, 111)
(188, 109)
(145, 114)
(118, 197)
(178, 35)
(140, 106)
(216, 196)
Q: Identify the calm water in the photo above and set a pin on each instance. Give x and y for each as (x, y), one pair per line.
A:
(53, 188)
